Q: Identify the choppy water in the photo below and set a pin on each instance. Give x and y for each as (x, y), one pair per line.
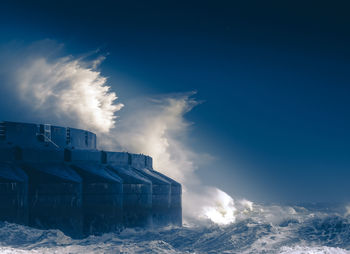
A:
(266, 229)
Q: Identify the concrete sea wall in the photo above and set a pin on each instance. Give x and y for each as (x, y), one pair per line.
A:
(54, 177)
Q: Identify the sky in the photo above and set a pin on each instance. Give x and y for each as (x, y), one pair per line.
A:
(271, 81)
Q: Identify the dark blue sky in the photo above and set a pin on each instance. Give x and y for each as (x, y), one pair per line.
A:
(274, 77)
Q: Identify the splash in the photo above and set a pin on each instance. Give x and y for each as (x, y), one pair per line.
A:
(222, 211)
(158, 127)
(68, 89)
(347, 210)
(43, 85)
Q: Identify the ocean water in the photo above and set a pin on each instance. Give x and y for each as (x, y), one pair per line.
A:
(262, 229)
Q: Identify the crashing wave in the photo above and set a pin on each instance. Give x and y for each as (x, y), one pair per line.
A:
(265, 229)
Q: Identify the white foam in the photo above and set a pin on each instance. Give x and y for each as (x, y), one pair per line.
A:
(312, 250)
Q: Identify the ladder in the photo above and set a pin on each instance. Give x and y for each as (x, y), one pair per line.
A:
(2, 131)
(44, 131)
(47, 132)
(68, 136)
(86, 138)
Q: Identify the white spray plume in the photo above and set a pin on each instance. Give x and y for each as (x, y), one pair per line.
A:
(68, 90)
(347, 210)
(158, 127)
(222, 211)
(47, 87)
